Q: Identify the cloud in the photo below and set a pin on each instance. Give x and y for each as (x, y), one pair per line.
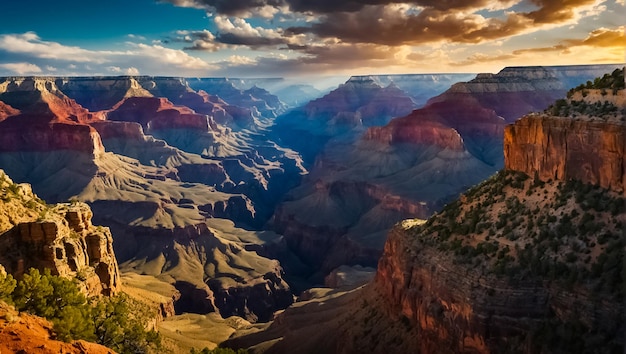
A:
(21, 68)
(442, 21)
(30, 44)
(264, 8)
(132, 71)
(326, 58)
(233, 32)
(231, 7)
(597, 39)
(138, 57)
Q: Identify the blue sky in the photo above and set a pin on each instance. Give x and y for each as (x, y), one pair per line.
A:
(304, 37)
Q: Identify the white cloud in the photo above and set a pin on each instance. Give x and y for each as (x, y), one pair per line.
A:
(115, 69)
(241, 28)
(51, 68)
(136, 36)
(132, 71)
(29, 43)
(21, 68)
(150, 59)
(239, 60)
(169, 56)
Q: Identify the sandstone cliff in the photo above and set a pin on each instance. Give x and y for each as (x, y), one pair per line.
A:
(59, 237)
(560, 148)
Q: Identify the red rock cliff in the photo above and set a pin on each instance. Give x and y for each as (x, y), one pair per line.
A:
(561, 148)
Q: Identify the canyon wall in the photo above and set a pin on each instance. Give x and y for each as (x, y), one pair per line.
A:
(561, 148)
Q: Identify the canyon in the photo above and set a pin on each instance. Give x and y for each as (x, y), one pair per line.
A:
(530, 260)
(236, 202)
(365, 181)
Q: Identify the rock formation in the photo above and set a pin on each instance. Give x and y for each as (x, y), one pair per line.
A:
(60, 238)
(559, 148)
(523, 262)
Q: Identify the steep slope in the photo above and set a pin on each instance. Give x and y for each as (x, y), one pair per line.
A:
(149, 204)
(101, 93)
(259, 100)
(6, 111)
(408, 168)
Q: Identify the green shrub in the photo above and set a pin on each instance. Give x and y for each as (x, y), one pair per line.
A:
(7, 285)
(117, 322)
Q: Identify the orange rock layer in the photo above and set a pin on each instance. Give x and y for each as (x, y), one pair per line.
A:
(561, 148)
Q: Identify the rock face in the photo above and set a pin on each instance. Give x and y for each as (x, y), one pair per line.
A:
(62, 239)
(258, 100)
(158, 114)
(560, 148)
(101, 93)
(18, 134)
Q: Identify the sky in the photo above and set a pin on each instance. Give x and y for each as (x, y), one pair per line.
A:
(304, 38)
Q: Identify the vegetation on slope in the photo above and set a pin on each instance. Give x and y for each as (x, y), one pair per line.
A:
(118, 322)
(606, 86)
(516, 226)
(568, 236)
(613, 81)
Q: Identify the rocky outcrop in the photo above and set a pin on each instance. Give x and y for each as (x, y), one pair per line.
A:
(60, 238)
(70, 247)
(101, 93)
(121, 130)
(423, 133)
(561, 148)
(257, 100)
(363, 100)
(522, 295)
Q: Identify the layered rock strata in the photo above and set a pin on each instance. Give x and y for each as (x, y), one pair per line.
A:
(61, 238)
